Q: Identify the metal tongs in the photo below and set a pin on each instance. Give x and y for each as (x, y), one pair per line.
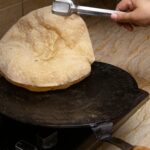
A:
(67, 7)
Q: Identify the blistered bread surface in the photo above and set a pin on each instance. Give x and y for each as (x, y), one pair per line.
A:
(44, 50)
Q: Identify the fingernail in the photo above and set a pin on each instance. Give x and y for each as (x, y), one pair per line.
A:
(114, 16)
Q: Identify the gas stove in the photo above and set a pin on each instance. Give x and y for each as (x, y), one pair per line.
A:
(19, 136)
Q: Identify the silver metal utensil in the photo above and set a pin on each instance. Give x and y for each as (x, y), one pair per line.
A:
(67, 7)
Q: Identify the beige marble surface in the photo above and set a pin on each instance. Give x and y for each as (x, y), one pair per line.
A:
(130, 51)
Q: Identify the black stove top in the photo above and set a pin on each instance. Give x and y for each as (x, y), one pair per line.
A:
(18, 136)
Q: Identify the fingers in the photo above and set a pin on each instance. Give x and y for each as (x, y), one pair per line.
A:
(125, 5)
(133, 12)
(127, 26)
(125, 8)
(122, 17)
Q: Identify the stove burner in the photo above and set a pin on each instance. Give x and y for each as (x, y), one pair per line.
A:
(23, 145)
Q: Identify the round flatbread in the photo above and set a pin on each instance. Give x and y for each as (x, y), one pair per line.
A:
(44, 51)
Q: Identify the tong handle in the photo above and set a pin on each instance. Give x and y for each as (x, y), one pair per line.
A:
(94, 11)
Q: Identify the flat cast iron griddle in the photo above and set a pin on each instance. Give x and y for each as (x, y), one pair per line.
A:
(104, 97)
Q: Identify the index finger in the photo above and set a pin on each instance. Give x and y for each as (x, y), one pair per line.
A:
(125, 5)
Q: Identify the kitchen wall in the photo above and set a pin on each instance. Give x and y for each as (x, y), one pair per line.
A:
(12, 10)
(29, 5)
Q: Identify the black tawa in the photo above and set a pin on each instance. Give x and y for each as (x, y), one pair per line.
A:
(107, 95)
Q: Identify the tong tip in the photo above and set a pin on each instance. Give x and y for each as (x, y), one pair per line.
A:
(61, 8)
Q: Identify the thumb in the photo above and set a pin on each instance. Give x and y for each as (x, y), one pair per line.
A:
(124, 17)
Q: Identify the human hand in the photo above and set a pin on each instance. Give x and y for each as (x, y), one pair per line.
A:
(133, 13)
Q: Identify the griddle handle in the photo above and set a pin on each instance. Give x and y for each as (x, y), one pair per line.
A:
(119, 143)
(103, 132)
(123, 145)
(141, 148)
